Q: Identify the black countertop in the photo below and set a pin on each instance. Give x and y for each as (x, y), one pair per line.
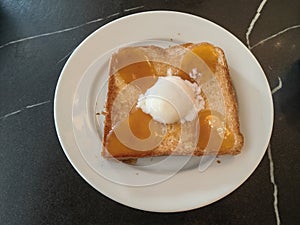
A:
(38, 185)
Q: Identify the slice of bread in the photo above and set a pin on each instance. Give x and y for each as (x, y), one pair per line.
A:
(153, 61)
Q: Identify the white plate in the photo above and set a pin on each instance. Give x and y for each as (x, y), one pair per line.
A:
(189, 188)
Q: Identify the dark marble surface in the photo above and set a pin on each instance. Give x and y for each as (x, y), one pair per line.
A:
(37, 183)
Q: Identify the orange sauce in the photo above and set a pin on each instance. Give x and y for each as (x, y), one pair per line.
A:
(208, 54)
(136, 70)
(212, 123)
(139, 125)
(139, 121)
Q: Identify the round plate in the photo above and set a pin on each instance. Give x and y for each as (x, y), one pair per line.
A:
(189, 188)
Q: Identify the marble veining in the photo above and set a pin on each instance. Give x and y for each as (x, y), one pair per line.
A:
(275, 193)
(252, 23)
(274, 90)
(10, 114)
(63, 58)
(50, 33)
(278, 87)
(67, 29)
(134, 8)
(272, 176)
(274, 35)
(112, 15)
(24, 108)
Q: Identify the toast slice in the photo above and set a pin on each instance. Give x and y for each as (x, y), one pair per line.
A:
(210, 72)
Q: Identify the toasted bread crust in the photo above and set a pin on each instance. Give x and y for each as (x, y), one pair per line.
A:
(231, 106)
(172, 137)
